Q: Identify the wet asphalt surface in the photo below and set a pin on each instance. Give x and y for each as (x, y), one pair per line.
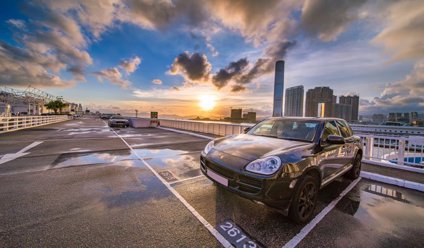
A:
(82, 186)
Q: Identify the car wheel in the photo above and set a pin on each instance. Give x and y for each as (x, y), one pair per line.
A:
(355, 171)
(304, 199)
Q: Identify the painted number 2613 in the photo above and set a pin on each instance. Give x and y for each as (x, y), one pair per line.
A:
(237, 236)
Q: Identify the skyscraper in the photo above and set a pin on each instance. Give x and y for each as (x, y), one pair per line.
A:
(343, 111)
(278, 89)
(322, 96)
(294, 101)
(354, 102)
(236, 113)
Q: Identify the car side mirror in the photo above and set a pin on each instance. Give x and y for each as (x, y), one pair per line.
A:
(335, 139)
(247, 129)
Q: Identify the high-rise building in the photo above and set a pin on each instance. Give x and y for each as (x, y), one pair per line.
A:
(236, 113)
(278, 89)
(294, 101)
(354, 101)
(250, 116)
(343, 111)
(319, 96)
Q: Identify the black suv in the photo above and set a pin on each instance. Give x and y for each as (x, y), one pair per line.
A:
(283, 162)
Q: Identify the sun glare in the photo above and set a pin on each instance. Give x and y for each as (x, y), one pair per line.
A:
(207, 103)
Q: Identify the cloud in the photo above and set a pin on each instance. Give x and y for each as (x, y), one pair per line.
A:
(20, 67)
(193, 67)
(233, 70)
(114, 76)
(237, 88)
(51, 42)
(327, 19)
(157, 81)
(130, 65)
(257, 21)
(266, 63)
(403, 34)
(16, 23)
(403, 96)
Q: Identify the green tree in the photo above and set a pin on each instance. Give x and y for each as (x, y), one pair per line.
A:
(56, 105)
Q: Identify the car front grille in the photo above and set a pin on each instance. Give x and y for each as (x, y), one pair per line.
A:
(236, 181)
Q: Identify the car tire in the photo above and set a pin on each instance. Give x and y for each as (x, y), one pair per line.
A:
(355, 171)
(304, 199)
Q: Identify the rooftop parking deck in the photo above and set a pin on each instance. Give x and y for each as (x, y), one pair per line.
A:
(81, 183)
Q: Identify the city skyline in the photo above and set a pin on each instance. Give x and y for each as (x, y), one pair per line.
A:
(134, 56)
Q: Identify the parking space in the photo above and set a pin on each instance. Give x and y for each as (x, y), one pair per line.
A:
(89, 185)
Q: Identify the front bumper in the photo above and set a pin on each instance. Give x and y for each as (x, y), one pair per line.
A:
(273, 191)
(119, 124)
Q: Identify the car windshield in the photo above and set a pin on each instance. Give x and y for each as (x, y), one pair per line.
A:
(116, 117)
(290, 129)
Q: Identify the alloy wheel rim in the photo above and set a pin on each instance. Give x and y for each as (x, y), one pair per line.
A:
(306, 203)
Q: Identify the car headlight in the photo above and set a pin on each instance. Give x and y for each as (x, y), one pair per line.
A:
(265, 166)
(208, 147)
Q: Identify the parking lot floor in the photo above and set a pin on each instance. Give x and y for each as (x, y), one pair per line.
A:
(81, 183)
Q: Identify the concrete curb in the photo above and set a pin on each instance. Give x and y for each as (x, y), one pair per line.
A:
(398, 167)
(393, 181)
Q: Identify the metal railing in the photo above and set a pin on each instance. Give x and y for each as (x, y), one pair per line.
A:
(13, 123)
(392, 151)
(387, 130)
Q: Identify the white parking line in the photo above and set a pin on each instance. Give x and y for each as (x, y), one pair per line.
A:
(12, 156)
(186, 179)
(202, 220)
(308, 228)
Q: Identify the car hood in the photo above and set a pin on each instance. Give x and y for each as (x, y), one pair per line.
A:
(251, 147)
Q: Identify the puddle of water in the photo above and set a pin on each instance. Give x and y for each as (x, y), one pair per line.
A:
(158, 153)
(65, 160)
(182, 166)
(389, 211)
(80, 131)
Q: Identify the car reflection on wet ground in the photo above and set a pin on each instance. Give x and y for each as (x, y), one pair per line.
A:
(84, 186)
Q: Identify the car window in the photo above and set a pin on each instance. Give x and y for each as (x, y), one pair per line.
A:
(301, 130)
(344, 129)
(330, 128)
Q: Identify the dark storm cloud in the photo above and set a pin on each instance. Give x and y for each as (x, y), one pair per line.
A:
(326, 19)
(233, 70)
(266, 64)
(237, 88)
(193, 67)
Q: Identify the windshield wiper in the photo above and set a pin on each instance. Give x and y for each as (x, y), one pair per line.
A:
(269, 136)
(294, 139)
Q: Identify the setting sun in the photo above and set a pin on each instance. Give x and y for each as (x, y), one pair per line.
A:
(207, 103)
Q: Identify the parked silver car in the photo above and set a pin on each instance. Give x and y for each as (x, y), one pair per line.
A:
(118, 121)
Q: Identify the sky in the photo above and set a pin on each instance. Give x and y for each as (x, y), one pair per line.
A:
(188, 58)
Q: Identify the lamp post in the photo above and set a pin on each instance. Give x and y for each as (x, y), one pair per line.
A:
(136, 113)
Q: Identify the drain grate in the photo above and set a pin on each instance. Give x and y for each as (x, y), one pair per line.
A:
(168, 176)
